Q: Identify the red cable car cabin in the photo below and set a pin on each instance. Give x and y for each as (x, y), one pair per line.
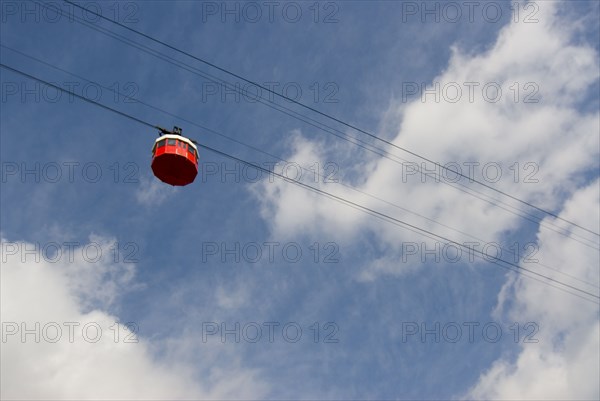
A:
(175, 159)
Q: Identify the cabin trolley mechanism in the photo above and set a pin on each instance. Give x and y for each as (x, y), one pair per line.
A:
(174, 158)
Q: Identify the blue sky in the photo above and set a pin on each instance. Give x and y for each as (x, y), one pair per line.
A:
(170, 283)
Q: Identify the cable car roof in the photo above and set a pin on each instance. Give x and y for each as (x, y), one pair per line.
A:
(179, 138)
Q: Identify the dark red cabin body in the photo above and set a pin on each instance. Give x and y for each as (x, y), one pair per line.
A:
(175, 160)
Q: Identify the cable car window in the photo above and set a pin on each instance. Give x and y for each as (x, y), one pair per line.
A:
(161, 143)
(171, 141)
(191, 150)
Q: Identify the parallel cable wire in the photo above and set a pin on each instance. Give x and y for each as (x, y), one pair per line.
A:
(281, 159)
(344, 136)
(373, 136)
(497, 261)
(206, 129)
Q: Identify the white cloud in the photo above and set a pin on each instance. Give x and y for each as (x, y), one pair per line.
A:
(228, 298)
(153, 192)
(57, 293)
(293, 209)
(554, 134)
(560, 141)
(564, 364)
